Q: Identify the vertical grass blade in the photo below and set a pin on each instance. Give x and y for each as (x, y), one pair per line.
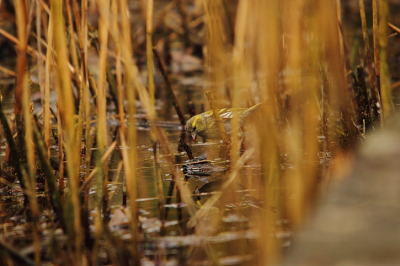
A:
(67, 112)
(387, 104)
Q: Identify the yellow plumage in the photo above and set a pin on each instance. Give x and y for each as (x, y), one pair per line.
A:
(205, 125)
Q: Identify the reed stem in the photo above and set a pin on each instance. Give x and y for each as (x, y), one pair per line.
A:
(175, 102)
(67, 114)
(386, 91)
(221, 127)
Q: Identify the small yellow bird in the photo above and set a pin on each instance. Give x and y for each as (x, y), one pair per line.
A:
(206, 126)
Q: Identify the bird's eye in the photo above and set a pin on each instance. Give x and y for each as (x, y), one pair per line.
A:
(194, 128)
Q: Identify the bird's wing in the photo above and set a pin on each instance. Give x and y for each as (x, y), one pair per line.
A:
(226, 115)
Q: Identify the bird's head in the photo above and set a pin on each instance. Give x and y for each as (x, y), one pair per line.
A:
(195, 125)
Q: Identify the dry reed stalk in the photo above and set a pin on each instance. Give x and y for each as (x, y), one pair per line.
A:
(175, 102)
(44, 6)
(194, 219)
(80, 25)
(143, 9)
(268, 43)
(81, 74)
(41, 69)
(12, 155)
(367, 51)
(130, 177)
(54, 195)
(131, 70)
(31, 15)
(61, 168)
(241, 72)
(376, 34)
(301, 142)
(93, 88)
(121, 97)
(7, 71)
(159, 183)
(295, 29)
(323, 24)
(152, 113)
(84, 108)
(185, 193)
(372, 92)
(150, 84)
(22, 43)
(11, 133)
(40, 40)
(45, 20)
(88, 147)
(98, 233)
(31, 173)
(161, 15)
(129, 155)
(387, 104)
(225, 137)
(305, 115)
(103, 159)
(171, 160)
(16, 187)
(118, 68)
(341, 95)
(149, 51)
(375, 29)
(72, 45)
(393, 27)
(47, 72)
(66, 111)
(31, 51)
(22, 109)
(245, 56)
(103, 7)
(116, 177)
(217, 49)
(82, 30)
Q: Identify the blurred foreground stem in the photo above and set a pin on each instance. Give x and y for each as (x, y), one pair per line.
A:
(387, 103)
(221, 127)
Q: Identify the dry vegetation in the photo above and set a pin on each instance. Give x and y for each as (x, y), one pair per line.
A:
(290, 55)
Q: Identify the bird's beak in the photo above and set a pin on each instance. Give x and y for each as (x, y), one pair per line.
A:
(193, 135)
